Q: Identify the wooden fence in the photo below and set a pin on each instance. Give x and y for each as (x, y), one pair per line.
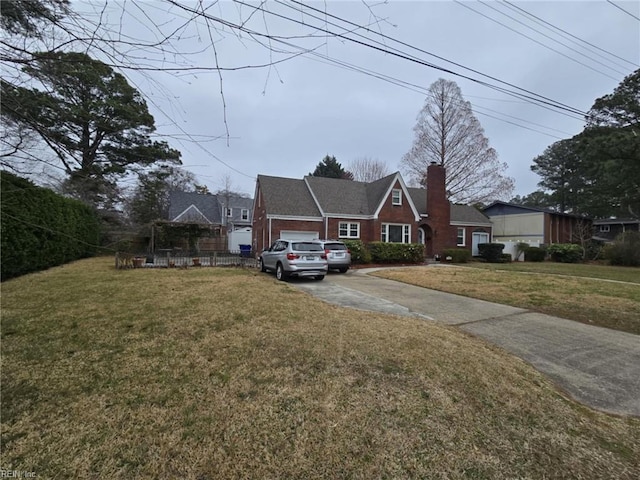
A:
(177, 259)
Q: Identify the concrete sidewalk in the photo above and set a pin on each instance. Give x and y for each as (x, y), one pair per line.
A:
(597, 366)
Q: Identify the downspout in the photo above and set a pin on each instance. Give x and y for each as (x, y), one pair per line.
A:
(270, 241)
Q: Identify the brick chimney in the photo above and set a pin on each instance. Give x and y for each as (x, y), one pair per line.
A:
(439, 210)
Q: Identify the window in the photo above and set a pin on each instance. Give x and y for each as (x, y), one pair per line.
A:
(461, 235)
(348, 230)
(605, 228)
(245, 214)
(395, 233)
(229, 211)
(396, 197)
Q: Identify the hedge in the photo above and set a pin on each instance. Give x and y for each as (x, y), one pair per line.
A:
(41, 229)
(625, 250)
(383, 252)
(535, 254)
(359, 251)
(565, 252)
(491, 252)
(458, 255)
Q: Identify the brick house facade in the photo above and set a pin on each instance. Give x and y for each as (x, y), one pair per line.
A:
(385, 210)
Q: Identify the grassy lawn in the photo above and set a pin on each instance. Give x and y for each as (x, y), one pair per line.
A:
(227, 373)
(542, 287)
(605, 272)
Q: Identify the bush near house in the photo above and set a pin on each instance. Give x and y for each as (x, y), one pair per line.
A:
(382, 252)
(458, 255)
(625, 250)
(565, 252)
(535, 254)
(41, 229)
(491, 252)
(359, 252)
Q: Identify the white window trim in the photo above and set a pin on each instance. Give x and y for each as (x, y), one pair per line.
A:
(406, 232)
(398, 192)
(605, 228)
(244, 214)
(229, 211)
(464, 237)
(349, 229)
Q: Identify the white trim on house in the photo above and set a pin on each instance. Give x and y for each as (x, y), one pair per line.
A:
(313, 195)
(190, 207)
(469, 224)
(294, 217)
(398, 178)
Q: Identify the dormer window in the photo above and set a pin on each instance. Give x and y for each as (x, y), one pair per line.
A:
(396, 197)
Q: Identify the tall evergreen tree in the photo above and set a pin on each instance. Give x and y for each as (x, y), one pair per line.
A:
(97, 125)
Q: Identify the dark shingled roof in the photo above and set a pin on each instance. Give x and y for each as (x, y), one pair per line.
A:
(339, 196)
(468, 214)
(287, 196)
(459, 213)
(207, 204)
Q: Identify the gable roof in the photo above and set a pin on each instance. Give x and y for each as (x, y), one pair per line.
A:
(287, 197)
(194, 207)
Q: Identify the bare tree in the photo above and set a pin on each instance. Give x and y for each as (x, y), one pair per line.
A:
(366, 169)
(449, 134)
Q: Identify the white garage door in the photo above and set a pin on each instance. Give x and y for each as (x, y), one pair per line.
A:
(295, 235)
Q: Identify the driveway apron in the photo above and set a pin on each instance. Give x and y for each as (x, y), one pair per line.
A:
(596, 366)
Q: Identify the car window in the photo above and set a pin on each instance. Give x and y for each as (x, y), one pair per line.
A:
(335, 246)
(306, 247)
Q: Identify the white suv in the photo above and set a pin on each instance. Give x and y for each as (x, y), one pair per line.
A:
(295, 258)
(338, 255)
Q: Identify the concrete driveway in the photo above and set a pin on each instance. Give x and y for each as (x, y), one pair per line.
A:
(596, 366)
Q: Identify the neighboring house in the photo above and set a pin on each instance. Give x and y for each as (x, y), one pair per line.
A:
(191, 207)
(385, 210)
(237, 211)
(517, 223)
(608, 229)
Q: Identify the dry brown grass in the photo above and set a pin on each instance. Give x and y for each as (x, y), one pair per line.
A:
(591, 301)
(223, 373)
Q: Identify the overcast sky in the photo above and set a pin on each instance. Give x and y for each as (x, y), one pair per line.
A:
(283, 120)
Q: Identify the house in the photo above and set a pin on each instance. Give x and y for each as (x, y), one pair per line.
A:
(608, 229)
(229, 215)
(385, 210)
(518, 223)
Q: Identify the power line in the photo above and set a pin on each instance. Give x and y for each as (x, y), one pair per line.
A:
(514, 6)
(528, 95)
(625, 11)
(530, 38)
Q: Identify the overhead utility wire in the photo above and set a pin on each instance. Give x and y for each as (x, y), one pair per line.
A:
(554, 40)
(531, 96)
(536, 99)
(625, 11)
(514, 6)
(530, 38)
(425, 91)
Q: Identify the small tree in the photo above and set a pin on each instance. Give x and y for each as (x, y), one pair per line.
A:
(330, 167)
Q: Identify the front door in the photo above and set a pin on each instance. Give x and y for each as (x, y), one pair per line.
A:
(477, 238)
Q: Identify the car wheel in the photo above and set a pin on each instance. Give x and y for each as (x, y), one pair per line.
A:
(262, 267)
(343, 269)
(319, 277)
(280, 273)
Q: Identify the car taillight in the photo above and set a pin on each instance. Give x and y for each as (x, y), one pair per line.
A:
(292, 256)
(326, 250)
(323, 256)
(348, 251)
